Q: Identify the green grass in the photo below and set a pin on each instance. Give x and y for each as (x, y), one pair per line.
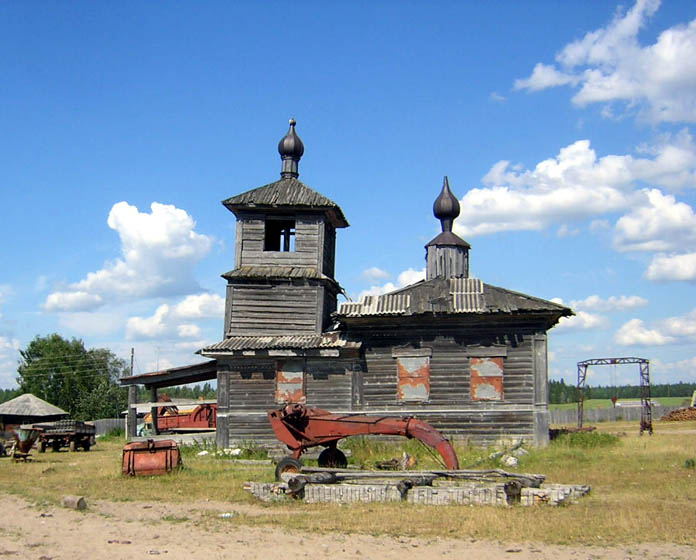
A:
(643, 489)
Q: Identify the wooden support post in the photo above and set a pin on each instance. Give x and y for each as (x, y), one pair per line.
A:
(132, 415)
(154, 411)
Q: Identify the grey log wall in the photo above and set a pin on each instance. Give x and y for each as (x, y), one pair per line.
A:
(369, 385)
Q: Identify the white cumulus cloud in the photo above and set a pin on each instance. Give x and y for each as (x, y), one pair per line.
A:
(9, 354)
(660, 223)
(174, 321)
(612, 303)
(582, 320)
(158, 253)
(609, 65)
(635, 333)
(203, 305)
(575, 185)
(405, 278)
(672, 267)
(681, 327)
(672, 330)
(374, 273)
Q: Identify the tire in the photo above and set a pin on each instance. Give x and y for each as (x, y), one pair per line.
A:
(42, 446)
(287, 465)
(86, 445)
(332, 458)
(55, 445)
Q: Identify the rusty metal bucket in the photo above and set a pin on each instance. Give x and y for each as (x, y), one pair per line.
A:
(147, 458)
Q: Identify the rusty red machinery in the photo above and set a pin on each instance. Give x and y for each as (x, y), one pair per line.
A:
(203, 417)
(148, 458)
(300, 428)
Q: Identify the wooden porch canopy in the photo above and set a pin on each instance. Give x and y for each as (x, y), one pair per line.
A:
(155, 380)
(174, 376)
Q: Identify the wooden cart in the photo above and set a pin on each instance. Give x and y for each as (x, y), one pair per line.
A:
(66, 433)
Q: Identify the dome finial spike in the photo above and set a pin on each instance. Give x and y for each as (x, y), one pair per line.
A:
(291, 150)
(446, 206)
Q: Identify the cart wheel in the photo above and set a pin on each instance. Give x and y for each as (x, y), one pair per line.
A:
(42, 447)
(287, 465)
(333, 458)
(73, 445)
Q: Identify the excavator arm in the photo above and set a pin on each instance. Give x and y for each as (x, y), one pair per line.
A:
(300, 427)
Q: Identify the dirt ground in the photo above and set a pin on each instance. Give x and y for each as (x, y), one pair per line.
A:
(114, 531)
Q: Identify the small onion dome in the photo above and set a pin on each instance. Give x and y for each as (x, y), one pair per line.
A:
(290, 149)
(446, 206)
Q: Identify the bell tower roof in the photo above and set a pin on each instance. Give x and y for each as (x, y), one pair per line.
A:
(288, 194)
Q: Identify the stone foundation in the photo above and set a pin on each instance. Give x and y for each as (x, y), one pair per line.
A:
(480, 494)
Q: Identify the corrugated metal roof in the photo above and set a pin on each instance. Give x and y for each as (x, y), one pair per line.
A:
(455, 296)
(287, 192)
(467, 295)
(29, 405)
(285, 342)
(388, 304)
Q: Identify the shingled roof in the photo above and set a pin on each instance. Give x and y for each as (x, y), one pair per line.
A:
(454, 296)
(328, 340)
(288, 193)
(29, 405)
(277, 271)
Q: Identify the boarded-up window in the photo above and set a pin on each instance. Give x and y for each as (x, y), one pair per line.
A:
(290, 382)
(486, 379)
(413, 382)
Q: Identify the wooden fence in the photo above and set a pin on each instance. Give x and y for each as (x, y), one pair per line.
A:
(611, 414)
(105, 425)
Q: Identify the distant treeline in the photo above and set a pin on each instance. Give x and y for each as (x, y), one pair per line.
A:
(205, 391)
(560, 393)
(8, 394)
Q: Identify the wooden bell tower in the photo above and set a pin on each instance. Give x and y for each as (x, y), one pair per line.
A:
(283, 281)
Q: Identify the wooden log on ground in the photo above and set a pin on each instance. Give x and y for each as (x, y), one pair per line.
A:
(490, 475)
(75, 502)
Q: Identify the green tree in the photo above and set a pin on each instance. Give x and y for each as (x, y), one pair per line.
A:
(82, 382)
(8, 394)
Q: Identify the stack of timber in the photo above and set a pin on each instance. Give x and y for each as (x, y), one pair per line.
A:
(680, 415)
(493, 487)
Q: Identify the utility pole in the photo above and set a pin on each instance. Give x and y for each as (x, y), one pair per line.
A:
(132, 414)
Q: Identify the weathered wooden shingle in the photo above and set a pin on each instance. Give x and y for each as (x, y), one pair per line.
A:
(455, 296)
(29, 405)
(287, 193)
(276, 272)
(286, 342)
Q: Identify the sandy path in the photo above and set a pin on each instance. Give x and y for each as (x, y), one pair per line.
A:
(115, 531)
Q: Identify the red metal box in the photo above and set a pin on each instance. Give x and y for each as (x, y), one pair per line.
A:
(147, 458)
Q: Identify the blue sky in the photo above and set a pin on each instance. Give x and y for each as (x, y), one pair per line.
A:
(566, 130)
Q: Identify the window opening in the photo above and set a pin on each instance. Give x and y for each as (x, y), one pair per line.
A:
(279, 235)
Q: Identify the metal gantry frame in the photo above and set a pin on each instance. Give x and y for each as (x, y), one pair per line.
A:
(645, 402)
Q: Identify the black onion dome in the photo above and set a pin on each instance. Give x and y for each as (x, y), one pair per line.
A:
(446, 206)
(290, 146)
